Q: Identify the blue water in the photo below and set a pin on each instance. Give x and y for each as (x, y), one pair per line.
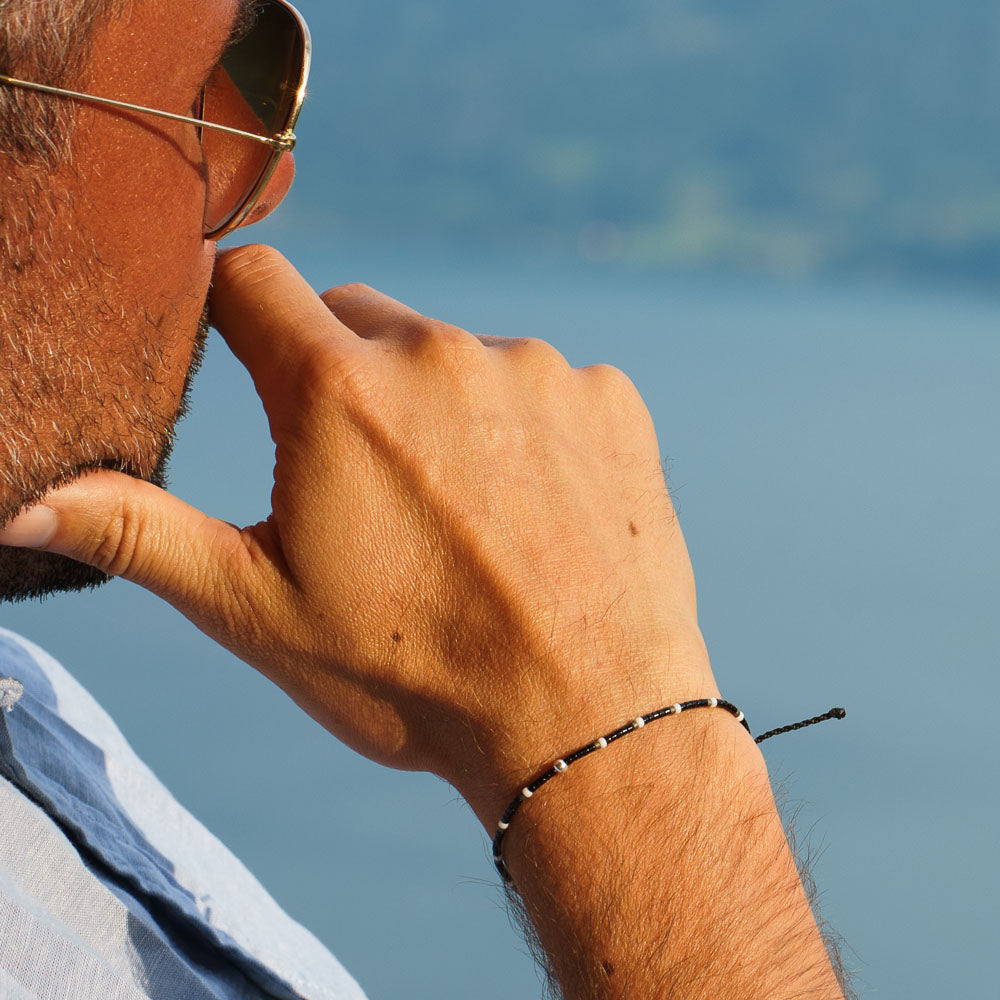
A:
(832, 451)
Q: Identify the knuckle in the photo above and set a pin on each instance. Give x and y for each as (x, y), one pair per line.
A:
(117, 545)
(445, 346)
(613, 383)
(617, 395)
(344, 293)
(536, 349)
(538, 357)
(436, 333)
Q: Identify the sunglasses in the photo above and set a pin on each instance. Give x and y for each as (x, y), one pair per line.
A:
(246, 113)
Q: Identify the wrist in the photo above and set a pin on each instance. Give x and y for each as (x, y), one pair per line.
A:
(606, 792)
(664, 859)
(517, 752)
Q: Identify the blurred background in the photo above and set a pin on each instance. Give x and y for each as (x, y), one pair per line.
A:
(783, 137)
(782, 220)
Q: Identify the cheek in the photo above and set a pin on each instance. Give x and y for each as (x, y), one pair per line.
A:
(141, 190)
(143, 229)
(140, 200)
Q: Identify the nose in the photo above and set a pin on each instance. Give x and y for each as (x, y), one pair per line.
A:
(273, 195)
(233, 162)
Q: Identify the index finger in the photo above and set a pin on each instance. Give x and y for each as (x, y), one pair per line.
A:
(271, 318)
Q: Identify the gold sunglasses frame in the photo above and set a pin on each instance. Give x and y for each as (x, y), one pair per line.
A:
(283, 142)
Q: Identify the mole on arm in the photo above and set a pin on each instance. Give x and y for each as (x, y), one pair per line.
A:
(633, 528)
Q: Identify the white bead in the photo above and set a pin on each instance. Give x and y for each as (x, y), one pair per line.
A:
(503, 826)
(739, 718)
(602, 743)
(676, 709)
(526, 793)
(713, 702)
(561, 765)
(639, 723)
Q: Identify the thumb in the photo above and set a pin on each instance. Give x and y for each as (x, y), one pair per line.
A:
(129, 528)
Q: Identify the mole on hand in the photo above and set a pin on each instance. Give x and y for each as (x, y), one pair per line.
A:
(633, 528)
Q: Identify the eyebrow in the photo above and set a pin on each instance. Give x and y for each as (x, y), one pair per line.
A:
(242, 21)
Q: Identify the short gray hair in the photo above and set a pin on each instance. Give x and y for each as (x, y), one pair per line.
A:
(45, 41)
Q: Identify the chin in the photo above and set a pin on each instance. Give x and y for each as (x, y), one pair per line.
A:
(26, 574)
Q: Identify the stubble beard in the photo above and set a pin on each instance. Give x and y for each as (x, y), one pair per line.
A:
(71, 403)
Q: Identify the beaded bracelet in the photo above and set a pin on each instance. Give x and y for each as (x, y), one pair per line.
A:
(563, 763)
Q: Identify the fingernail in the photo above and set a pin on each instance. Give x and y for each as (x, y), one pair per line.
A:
(31, 530)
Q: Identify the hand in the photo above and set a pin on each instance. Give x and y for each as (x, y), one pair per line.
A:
(471, 565)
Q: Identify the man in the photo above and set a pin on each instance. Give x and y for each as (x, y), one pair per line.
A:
(472, 566)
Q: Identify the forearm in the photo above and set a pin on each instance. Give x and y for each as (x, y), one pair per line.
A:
(459, 526)
(659, 868)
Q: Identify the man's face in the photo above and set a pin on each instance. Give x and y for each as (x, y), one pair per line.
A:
(102, 307)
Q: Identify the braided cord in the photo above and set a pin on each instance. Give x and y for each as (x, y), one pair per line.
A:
(603, 742)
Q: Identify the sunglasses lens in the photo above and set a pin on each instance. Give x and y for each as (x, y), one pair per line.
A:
(254, 89)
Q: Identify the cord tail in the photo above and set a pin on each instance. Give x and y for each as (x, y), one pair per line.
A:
(834, 713)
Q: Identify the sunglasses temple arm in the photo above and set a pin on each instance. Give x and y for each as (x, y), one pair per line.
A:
(285, 142)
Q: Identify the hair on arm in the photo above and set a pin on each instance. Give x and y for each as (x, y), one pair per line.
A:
(693, 935)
